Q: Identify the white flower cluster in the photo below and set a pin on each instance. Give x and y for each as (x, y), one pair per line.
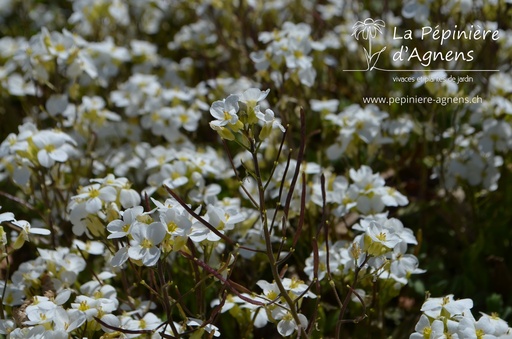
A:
(369, 125)
(291, 47)
(100, 202)
(236, 113)
(446, 317)
(270, 305)
(144, 236)
(22, 227)
(50, 307)
(367, 194)
(24, 153)
(93, 16)
(162, 110)
(381, 250)
(479, 145)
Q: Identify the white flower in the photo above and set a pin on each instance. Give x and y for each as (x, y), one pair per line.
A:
(403, 264)
(471, 329)
(127, 196)
(447, 306)
(498, 326)
(94, 196)
(297, 287)
(42, 310)
(121, 228)
(287, 324)
(269, 122)
(297, 54)
(270, 290)
(52, 147)
(365, 179)
(26, 229)
(211, 329)
(68, 321)
(58, 44)
(405, 234)
(426, 330)
(221, 219)
(7, 326)
(391, 197)
(496, 136)
(119, 11)
(225, 111)
(334, 263)
(382, 236)
(178, 224)
(148, 322)
(175, 174)
(252, 96)
(13, 294)
(86, 306)
(145, 241)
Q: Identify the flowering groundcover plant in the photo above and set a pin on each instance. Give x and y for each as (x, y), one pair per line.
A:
(207, 169)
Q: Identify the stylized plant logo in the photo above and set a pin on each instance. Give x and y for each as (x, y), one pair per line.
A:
(368, 29)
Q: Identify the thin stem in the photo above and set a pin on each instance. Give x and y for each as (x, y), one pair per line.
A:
(166, 304)
(266, 228)
(349, 293)
(8, 266)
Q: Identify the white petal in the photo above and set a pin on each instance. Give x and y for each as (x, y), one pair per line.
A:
(151, 257)
(120, 257)
(108, 193)
(286, 327)
(21, 176)
(136, 252)
(58, 155)
(93, 205)
(56, 104)
(62, 297)
(129, 198)
(156, 232)
(111, 320)
(7, 216)
(42, 231)
(44, 159)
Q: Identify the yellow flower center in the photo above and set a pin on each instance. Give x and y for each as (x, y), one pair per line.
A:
(93, 193)
(272, 295)
(146, 243)
(49, 148)
(427, 331)
(171, 226)
(288, 317)
(381, 236)
(83, 306)
(60, 48)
